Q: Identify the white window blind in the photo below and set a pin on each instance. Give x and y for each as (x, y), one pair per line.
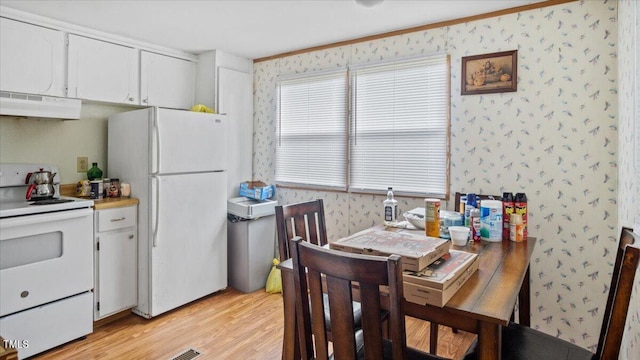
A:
(312, 140)
(398, 130)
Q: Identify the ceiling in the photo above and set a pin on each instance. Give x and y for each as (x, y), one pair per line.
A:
(253, 28)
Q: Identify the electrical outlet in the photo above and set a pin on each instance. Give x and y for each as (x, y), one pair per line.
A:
(83, 164)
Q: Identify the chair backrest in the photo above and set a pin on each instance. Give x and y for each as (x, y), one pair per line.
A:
(622, 282)
(480, 197)
(302, 219)
(311, 264)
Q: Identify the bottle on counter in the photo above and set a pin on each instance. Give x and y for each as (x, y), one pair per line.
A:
(94, 172)
(106, 182)
(520, 207)
(390, 208)
(508, 208)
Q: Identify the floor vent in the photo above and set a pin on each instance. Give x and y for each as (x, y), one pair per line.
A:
(187, 355)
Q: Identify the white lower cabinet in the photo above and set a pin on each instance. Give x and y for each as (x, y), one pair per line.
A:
(116, 238)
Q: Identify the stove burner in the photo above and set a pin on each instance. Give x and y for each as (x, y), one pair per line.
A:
(51, 201)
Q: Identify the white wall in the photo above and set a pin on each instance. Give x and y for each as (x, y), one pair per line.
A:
(59, 142)
(629, 150)
(556, 139)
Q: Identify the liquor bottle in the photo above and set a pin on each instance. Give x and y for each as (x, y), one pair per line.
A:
(390, 209)
(95, 172)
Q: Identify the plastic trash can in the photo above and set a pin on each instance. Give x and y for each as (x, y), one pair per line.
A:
(251, 242)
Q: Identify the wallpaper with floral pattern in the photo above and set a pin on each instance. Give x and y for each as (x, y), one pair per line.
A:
(556, 139)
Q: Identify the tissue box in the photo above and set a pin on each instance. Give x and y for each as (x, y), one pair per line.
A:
(256, 190)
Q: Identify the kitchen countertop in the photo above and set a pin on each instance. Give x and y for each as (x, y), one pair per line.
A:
(109, 203)
(100, 204)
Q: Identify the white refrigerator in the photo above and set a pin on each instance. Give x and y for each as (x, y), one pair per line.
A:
(176, 163)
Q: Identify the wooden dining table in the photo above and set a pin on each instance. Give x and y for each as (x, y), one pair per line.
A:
(484, 304)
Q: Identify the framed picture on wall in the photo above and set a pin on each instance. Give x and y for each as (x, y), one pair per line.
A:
(490, 73)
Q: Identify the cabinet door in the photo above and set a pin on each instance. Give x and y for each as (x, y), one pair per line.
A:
(235, 98)
(102, 71)
(116, 262)
(166, 81)
(32, 58)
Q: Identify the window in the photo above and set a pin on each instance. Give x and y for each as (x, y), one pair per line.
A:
(312, 139)
(397, 130)
(399, 127)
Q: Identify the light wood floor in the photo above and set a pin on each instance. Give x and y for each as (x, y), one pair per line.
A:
(226, 325)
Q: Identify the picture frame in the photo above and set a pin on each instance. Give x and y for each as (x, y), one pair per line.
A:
(490, 73)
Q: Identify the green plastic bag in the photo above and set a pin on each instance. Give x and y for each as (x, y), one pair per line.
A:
(274, 281)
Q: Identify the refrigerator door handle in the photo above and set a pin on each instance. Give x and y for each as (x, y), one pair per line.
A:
(156, 134)
(155, 183)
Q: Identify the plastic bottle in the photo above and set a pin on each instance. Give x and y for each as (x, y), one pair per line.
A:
(516, 228)
(474, 215)
(95, 172)
(432, 217)
(520, 203)
(471, 204)
(463, 202)
(390, 209)
(508, 208)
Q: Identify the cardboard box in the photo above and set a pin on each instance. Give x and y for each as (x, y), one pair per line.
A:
(256, 190)
(443, 272)
(417, 251)
(422, 295)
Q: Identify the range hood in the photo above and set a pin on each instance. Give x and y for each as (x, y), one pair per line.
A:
(39, 106)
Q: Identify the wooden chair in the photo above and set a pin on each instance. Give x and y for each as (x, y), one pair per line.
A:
(312, 265)
(456, 205)
(302, 219)
(305, 220)
(521, 342)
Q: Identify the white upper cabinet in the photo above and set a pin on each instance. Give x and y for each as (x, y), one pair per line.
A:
(102, 71)
(166, 81)
(32, 58)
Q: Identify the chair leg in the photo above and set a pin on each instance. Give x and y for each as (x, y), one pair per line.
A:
(433, 338)
(385, 328)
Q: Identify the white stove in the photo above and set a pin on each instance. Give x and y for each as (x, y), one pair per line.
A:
(13, 189)
(46, 264)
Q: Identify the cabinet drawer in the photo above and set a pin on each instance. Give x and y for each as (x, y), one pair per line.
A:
(118, 218)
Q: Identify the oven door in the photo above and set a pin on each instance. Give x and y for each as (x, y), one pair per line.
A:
(45, 257)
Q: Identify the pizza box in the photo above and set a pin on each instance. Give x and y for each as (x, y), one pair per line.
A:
(443, 272)
(420, 294)
(417, 250)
